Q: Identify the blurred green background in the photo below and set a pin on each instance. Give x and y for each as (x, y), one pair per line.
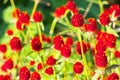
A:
(27, 5)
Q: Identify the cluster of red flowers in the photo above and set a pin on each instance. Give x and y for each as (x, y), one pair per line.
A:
(60, 44)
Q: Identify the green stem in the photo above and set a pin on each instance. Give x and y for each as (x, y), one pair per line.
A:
(76, 77)
(65, 69)
(53, 26)
(24, 36)
(55, 73)
(12, 3)
(83, 56)
(40, 33)
(29, 31)
(42, 25)
(34, 7)
(100, 5)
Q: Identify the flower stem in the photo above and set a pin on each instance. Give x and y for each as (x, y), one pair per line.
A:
(83, 56)
(40, 33)
(35, 7)
(24, 36)
(12, 3)
(53, 26)
(100, 5)
(42, 25)
(65, 69)
(55, 74)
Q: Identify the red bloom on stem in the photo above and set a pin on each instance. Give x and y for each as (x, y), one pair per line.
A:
(39, 66)
(91, 26)
(7, 77)
(35, 76)
(104, 19)
(58, 42)
(37, 16)
(69, 41)
(113, 76)
(49, 71)
(111, 41)
(117, 54)
(3, 48)
(32, 63)
(9, 32)
(7, 65)
(24, 73)
(116, 8)
(101, 61)
(51, 60)
(2, 77)
(47, 39)
(65, 51)
(101, 46)
(60, 11)
(16, 13)
(78, 68)
(20, 25)
(24, 18)
(15, 44)
(77, 20)
(36, 45)
(70, 5)
(78, 47)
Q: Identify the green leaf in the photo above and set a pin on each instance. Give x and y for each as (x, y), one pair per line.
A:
(93, 1)
(108, 69)
(26, 50)
(112, 31)
(7, 14)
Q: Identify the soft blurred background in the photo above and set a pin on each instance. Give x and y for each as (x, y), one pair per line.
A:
(47, 10)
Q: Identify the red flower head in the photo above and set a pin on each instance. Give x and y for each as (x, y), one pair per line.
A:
(77, 20)
(101, 46)
(78, 47)
(32, 63)
(16, 13)
(113, 76)
(20, 26)
(35, 43)
(15, 44)
(117, 54)
(24, 73)
(111, 41)
(7, 65)
(47, 39)
(2, 77)
(78, 68)
(101, 61)
(37, 16)
(69, 41)
(39, 66)
(60, 11)
(7, 77)
(51, 60)
(66, 51)
(24, 18)
(70, 5)
(104, 19)
(49, 71)
(58, 42)
(9, 32)
(3, 48)
(35, 76)
(116, 8)
(101, 36)
(91, 26)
